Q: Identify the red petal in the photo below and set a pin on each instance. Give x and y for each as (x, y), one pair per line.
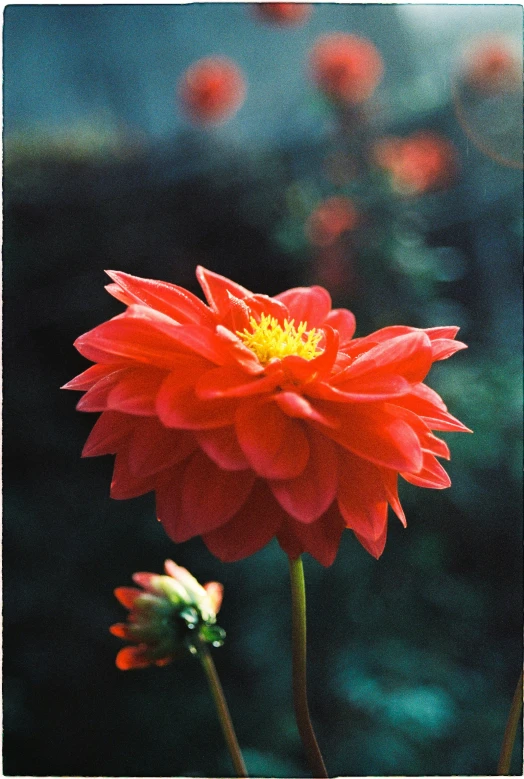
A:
(143, 335)
(136, 391)
(222, 446)
(89, 378)
(362, 498)
(216, 288)
(250, 529)
(127, 596)
(128, 338)
(344, 322)
(230, 381)
(390, 479)
(428, 441)
(125, 484)
(274, 444)
(308, 496)
(432, 474)
(427, 404)
(375, 546)
(169, 299)
(435, 333)
(440, 338)
(121, 630)
(210, 496)
(144, 579)
(295, 405)
(178, 406)
(375, 433)
(363, 390)
(262, 304)
(132, 657)
(320, 539)
(408, 356)
(154, 448)
(95, 398)
(108, 433)
(307, 304)
(119, 294)
(237, 351)
(239, 313)
(442, 348)
(386, 333)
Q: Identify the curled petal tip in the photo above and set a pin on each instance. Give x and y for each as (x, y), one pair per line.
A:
(215, 590)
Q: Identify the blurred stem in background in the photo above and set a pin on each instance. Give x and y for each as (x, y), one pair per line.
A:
(508, 741)
(222, 709)
(305, 728)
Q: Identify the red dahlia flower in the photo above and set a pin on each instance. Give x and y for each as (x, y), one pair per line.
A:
(212, 90)
(345, 67)
(424, 162)
(286, 14)
(253, 417)
(331, 218)
(492, 66)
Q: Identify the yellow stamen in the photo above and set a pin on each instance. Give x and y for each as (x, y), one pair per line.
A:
(269, 340)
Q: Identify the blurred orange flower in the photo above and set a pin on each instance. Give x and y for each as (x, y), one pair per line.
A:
(346, 67)
(212, 90)
(421, 163)
(168, 616)
(330, 219)
(285, 14)
(254, 417)
(492, 66)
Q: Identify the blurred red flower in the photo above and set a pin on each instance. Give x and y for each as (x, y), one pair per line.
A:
(423, 162)
(492, 66)
(330, 219)
(212, 90)
(345, 67)
(286, 14)
(249, 425)
(167, 617)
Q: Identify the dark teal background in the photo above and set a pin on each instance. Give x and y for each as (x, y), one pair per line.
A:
(413, 659)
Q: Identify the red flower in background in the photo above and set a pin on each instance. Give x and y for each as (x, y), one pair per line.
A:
(253, 417)
(285, 14)
(345, 67)
(334, 216)
(492, 66)
(212, 90)
(423, 162)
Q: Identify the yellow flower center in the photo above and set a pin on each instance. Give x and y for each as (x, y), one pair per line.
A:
(269, 340)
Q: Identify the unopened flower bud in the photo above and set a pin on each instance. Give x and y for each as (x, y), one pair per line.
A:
(168, 615)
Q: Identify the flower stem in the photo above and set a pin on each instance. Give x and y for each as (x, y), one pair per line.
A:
(305, 728)
(508, 741)
(222, 710)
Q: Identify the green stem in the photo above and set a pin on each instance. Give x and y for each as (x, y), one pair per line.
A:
(305, 728)
(508, 741)
(222, 709)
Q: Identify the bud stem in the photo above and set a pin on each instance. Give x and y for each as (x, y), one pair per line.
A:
(305, 728)
(508, 741)
(222, 710)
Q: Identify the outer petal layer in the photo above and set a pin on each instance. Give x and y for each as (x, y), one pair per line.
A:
(310, 494)
(251, 529)
(206, 498)
(275, 445)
